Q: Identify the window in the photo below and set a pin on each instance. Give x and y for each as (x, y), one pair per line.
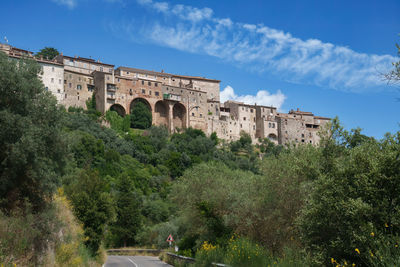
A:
(143, 91)
(149, 92)
(110, 70)
(65, 81)
(269, 125)
(65, 95)
(251, 110)
(127, 72)
(149, 83)
(241, 126)
(46, 88)
(273, 125)
(59, 81)
(302, 135)
(142, 82)
(78, 97)
(118, 80)
(254, 127)
(70, 76)
(101, 69)
(79, 78)
(155, 84)
(52, 69)
(192, 114)
(201, 115)
(52, 80)
(79, 87)
(244, 118)
(70, 85)
(58, 91)
(157, 93)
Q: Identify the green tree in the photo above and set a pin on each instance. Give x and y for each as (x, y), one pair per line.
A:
(32, 150)
(47, 53)
(141, 116)
(128, 211)
(394, 74)
(92, 205)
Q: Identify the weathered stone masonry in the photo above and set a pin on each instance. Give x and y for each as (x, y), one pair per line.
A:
(176, 101)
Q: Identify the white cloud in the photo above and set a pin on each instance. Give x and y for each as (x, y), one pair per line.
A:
(262, 97)
(68, 3)
(262, 48)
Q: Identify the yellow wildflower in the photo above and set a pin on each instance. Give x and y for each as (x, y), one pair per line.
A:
(372, 254)
(357, 250)
(386, 225)
(372, 234)
(354, 265)
(333, 260)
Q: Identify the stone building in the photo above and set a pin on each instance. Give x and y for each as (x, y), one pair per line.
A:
(52, 73)
(176, 101)
(299, 127)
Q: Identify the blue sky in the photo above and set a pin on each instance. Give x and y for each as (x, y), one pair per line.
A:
(316, 55)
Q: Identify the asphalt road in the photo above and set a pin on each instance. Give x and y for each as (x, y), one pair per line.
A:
(134, 261)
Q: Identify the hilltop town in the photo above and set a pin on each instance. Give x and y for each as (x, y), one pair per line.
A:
(176, 101)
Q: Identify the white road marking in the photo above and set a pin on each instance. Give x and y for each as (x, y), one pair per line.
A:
(132, 262)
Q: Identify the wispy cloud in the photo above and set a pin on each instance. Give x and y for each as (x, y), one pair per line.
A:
(68, 3)
(260, 48)
(261, 98)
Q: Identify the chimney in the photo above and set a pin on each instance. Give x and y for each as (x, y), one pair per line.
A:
(298, 109)
(162, 71)
(75, 56)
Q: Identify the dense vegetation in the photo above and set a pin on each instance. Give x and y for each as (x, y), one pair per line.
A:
(71, 186)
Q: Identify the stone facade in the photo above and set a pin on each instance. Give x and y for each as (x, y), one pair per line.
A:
(176, 101)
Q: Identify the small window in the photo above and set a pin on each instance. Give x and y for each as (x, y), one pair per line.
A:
(143, 91)
(201, 115)
(79, 87)
(65, 95)
(46, 88)
(241, 126)
(156, 84)
(52, 80)
(127, 72)
(157, 93)
(78, 97)
(251, 110)
(142, 82)
(79, 78)
(244, 118)
(65, 81)
(58, 91)
(101, 69)
(192, 114)
(149, 83)
(70, 85)
(59, 81)
(149, 92)
(118, 80)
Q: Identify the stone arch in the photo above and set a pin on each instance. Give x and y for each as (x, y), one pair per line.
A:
(119, 109)
(179, 116)
(139, 99)
(272, 137)
(161, 110)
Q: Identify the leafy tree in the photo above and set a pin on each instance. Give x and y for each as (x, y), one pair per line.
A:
(48, 53)
(32, 150)
(92, 205)
(140, 116)
(394, 75)
(354, 203)
(128, 211)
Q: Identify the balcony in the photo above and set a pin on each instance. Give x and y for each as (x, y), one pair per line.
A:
(172, 97)
(111, 87)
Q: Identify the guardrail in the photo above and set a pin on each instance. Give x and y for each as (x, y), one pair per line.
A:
(134, 251)
(191, 260)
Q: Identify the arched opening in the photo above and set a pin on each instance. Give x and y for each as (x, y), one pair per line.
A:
(161, 113)
(139, 100)
(140, 110)
(119, 109)
(272, 137)
(179, 116)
